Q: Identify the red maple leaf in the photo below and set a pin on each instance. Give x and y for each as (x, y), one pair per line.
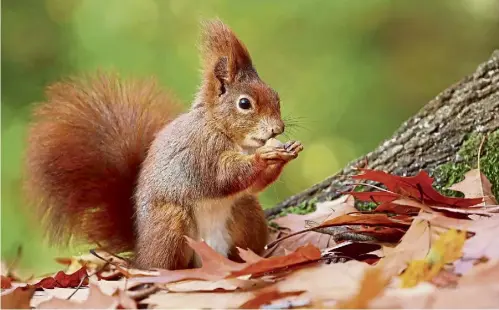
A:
(418, 187)
(64, 280)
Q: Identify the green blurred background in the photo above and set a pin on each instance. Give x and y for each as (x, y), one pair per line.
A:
(350, 71)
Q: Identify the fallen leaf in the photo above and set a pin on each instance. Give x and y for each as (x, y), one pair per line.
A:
(266, 298)
(249, 256)
(213, 267)
(391, 207)
(381, 233)
(427, 296)
(418, 188)
(375, 196)
(231, 284)
(481, 274)
(370, 219)
(372, 285)
(444, 221)
(216, 267)
(373, 219)
(17, 298)
(213, 300)
(446, 249)
(62, 279)
(415, 244)
(485, 243)
(129, 272)
(326, 282)
(305, 254)
(416, 297)
(475, 297)
(295, 222)
(96, 299)
(352, 249)
(445, 278)
(5, 282)
(476, 185)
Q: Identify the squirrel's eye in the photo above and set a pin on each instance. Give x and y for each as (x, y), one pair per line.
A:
(244, 103)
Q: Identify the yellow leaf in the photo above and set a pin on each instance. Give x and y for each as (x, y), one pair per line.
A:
(446, 249)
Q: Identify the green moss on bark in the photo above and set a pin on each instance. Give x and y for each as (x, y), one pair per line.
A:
(303, 208)
(467, 159)
(445, 175)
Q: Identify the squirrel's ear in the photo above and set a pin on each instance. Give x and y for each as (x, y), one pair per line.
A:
(224, 55)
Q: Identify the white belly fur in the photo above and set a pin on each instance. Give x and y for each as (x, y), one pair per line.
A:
(211, 217)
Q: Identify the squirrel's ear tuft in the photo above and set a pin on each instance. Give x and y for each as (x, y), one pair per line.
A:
(224, 55)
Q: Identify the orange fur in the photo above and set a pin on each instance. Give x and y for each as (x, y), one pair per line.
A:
(85, 147)
(248, 227)
(105, 163)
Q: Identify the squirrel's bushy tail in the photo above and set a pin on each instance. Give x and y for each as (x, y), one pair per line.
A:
(85, 148)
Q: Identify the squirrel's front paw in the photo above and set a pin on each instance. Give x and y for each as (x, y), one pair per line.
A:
(271, 155)
(281, 154)
(293, 147)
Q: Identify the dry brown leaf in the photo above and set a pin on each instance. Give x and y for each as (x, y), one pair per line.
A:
(324, 282)
(213, 300)
(305, 254)
(476, 185)
(266, 298)
(295, 222)
(466, 297)
(249, 256)
(481, 274)
(408, 298)
(382, 234)
(96, 299)
(485, 243)
(17, 298)
(5, 282)
(216, 267)
(427, 296)
(444, 221)
(231, 284)
(396, 208)
(415, 244)
(445, 278)
(372, 219)
(478, 288)
(372, 285)
(367, 219)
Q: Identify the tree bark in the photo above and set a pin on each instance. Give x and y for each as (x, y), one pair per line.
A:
(428, 139)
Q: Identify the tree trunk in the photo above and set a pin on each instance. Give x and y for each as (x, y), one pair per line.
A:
(430, 138)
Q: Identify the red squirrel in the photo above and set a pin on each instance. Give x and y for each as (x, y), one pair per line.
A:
(112, 162)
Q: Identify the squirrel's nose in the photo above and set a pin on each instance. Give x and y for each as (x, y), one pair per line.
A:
(277, 129)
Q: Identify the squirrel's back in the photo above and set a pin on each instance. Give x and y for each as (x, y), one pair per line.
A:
(86, 144)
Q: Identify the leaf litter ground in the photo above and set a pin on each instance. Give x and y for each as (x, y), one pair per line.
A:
(416, 249)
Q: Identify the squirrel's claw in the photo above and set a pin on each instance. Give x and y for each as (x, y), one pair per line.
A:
(293, 147)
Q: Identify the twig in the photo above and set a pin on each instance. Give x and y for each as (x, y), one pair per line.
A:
(87, 277)
(111, 253)
(124, 272)
(371, 185)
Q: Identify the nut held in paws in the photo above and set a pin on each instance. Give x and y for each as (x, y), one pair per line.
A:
(274, 142)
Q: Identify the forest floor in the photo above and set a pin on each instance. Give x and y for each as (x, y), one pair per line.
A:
(416, 248)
